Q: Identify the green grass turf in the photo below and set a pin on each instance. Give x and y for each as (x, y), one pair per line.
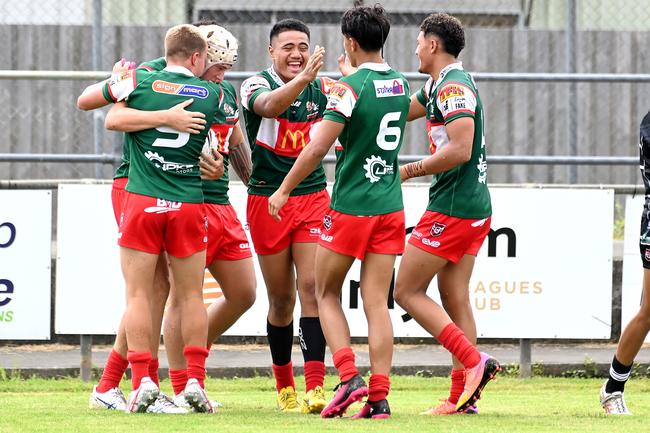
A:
(508, 405)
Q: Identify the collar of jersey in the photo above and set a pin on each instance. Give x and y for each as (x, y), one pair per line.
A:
(380, 67)
(275, 76)
(179, 70)
(446, 70)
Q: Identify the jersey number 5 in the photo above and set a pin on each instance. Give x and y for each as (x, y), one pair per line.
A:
(180, 141)
(386, 131)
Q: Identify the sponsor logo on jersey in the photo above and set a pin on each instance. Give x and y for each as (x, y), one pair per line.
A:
(326, 238)
(647, 254)
(244, 246)
(314, 231)
(388, 88)
(437, 228)
(160, 86)
(434, 244)
(296, 104)
(376, 167)
(338, 91)
(163, 206)
(451, 91)
(327, 222)
(160, 162)
(327, 84)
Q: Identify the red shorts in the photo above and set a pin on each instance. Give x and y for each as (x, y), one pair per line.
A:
(355, 235)
(117, 197)
(152, 225)
(449, 237)
(302, 217)
(226, 237)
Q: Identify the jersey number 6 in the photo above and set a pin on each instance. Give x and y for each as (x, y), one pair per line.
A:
(389, 131)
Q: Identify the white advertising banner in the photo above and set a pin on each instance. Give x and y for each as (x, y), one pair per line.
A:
(632, 287)
(542, 272)
(25, 264)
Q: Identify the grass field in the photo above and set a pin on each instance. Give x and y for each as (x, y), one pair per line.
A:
(508, 405)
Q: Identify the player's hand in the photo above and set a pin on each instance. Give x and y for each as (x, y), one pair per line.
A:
(345, 67)
(185, 121)
(314, 64)
(122, 66)
(211, 166)
(276, 202)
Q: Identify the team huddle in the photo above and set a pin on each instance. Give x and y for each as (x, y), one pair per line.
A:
(170, 198)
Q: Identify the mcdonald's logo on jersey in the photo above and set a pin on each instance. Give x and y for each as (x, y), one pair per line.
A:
(292, 137)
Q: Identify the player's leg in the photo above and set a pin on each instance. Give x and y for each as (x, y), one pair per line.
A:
(632, 338)
(416, 271)
(188, 283)
(107, 394)
(237, 281)
(453, 285)
(331, 270)
(272, 241)
(376, 276)
(312, 339)
(279, 277)
(138, 268)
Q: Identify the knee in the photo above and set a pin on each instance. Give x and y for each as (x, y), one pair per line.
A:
(282, 305)
(246, 298)
(400, 295)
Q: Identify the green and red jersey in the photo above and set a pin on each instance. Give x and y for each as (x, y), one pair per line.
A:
(163, 162)
(214, 191)
(276, 143)
(373, 104)
(462, 191)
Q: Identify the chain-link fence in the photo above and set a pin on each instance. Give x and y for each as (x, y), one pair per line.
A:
(523, 118)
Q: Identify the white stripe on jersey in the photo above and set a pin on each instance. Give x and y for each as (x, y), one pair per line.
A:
(268, 132)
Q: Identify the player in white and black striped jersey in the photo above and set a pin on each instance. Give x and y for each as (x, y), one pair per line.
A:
(611, 393)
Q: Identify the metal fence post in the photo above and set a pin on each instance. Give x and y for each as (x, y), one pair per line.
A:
(86, 357)
(572, 122)
(525, 356)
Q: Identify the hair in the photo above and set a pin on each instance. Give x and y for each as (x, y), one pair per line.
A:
(206, 22)
(368, 25)
(448, 28)
(184, 40)
(287, 25)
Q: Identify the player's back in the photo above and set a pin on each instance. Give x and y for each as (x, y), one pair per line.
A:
(164, 162)
(373, 103)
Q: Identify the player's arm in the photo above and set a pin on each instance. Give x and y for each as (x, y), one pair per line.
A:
(122, 118)
(240, 154)
(93, 96)
(306, 163)
(416, 109)
(272, 104)
(459, 150)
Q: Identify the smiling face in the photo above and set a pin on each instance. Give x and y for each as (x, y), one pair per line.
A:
(289, 51)
(424, 51)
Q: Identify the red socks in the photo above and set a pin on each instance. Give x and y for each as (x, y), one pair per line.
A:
(139, 366)
(344, 363)
(178, 379)
(284, 376)
(314, 374)
(153, 371)
(113, 371)
(195, 357)
(457, 385)
(378, 387)
(454, 340)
